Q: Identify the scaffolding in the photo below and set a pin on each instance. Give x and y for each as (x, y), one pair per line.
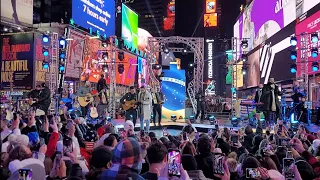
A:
(53, 72)
(196, 45)
(113, 81)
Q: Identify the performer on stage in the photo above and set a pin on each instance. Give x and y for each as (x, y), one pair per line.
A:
(44, 100)
(270, 100)
(102, 85)
(298, 102)
(132, 111)
(145, 101)
(82, 91)
(34, 94)
(200, 104)
(157, 100)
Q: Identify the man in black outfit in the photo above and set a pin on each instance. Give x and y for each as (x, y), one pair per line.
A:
(44, 100)
(34, 94)
(200, 104)
(133, 110)
(102, 85)
(157, 100)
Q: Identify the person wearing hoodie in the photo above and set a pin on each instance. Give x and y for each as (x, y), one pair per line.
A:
(189, 164)
(204, 158)
(126, 161)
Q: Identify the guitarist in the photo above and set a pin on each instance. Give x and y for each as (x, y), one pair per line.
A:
(33, 95)
(133, 110)
(102, 85)
(81, 92)
(157, 100)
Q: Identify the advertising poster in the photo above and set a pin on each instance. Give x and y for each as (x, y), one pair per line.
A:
(129, 27)
(74, 54)
(98, 15)
(41, 73)
(173, 88)
(18, 12)
(262, 19)
(238, 75)
(144, 74)
(309, 25)
(17, 61)
(211, 6)
(169, 20)
(210, 20)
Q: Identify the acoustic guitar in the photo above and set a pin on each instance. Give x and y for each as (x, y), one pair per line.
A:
(129, 104)
(93, 112)
(87, 99)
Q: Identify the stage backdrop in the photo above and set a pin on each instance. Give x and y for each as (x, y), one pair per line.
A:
(174, 88)
(129, 28)
(17, 54)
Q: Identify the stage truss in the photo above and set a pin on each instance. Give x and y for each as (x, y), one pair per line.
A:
(195, 45)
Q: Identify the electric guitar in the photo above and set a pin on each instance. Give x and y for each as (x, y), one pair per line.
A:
(129, 104)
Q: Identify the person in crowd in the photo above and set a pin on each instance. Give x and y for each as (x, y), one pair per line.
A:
(110, 141)
(190, 165)
(145, 101)
(200, 96)
(270, 100)
(257, 99)
(102, 87)
(44, 99)
(204, 158)
(83, 90)
(131, 112)
(157, 101)
(188, 148)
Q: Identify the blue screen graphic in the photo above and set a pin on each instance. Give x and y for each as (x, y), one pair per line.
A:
(96, 14)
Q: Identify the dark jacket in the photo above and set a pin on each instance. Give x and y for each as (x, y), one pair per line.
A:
(44, 97)
(34, 94)
(102, 84)
(266, 97)
(197, 175)
(205, 164)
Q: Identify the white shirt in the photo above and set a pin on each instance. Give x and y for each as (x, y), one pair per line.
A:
(5, 133)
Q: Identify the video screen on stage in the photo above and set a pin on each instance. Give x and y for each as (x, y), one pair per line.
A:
(309, 25)
(262, 19)
(143, 72)
(252, 78)
(98, 15)
(129, 32)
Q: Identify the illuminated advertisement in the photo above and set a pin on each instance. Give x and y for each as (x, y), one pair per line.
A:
(210, 58)
(211, 6)
(252, 78)
(309, 25)
(169, 20)
(210, 20)
(75, 54)
(262, 19)
(129, 27)
(173, 88)
(238, 75)
(17, 11)
(98, 15)
(143, 70)
(17, 54)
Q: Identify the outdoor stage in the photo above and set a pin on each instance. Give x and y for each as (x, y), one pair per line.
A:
(204, 127)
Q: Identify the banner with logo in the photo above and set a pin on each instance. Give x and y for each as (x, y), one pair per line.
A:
(74, 54)
(18, 12)
(17, 54)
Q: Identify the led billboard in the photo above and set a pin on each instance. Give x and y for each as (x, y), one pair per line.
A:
(169, 20)
(98, 15)
(17, 11)
(262, 19)
(129, 32)
(210, 20)
(211, 6)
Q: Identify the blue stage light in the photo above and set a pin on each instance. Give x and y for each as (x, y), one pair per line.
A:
(315, 66)
(45, 52)
(293, 68)
(61, 68)
(314, 38)
(45, 38)
(62, 42)
(293, 55)
(293, 41)
(314, 52)
(45, 65)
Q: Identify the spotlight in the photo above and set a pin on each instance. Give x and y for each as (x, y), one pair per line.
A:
(293, 55)
(5, 29)
(104, 44)
(173, 118)
(62, 42)
(315, 66)
(45, 52)
(45, 38)
(120, 68)
(105, 68)
(165, 49)
(191, 65)
(314, 52)
(192, 119)
(45, 65)
(61, 68)
(156, 66)
(105, 55)
(293, 41)
(212, 120)
(314, 37)
(184, 51)
(244, 70)
(244, 44)
(293, 68)
(121, 56)
(244, 57)
(62, 54)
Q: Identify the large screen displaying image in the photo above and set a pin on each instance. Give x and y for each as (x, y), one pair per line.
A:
(309, 25)
(252, 78)
(17, 11)
(169, 20)
(98, 15)
(262, 19)
(129, 27)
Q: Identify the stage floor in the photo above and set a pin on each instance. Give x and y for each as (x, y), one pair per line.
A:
(201, 127)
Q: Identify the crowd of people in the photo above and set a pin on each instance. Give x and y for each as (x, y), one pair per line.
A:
(49, 147)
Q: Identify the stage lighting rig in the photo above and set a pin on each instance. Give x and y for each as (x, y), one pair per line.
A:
(185, 50)
(62, 42)
(62, 54)
(314, 37)
(244, 57)
(45, 65)
(120, 68)
(165, 49)
(105, 68)
(156, 66)
(173, 118)
(315, 66)
(105, 55)
(45, 38)
(121, 56)
(45, 52)
(244, 69)
(314, 52)
(244, 44)
(293, 54)
(191, 65)
(293, 41)
(293, 68)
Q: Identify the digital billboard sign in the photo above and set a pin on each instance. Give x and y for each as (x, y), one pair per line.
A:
(262, 19)
(210, 20)
(17, 11)
(98, 15)
(129, 27)
(169, 20)
(211, 6)
(309, 25)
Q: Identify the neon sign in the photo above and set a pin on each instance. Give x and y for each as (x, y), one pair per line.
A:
(210, 59)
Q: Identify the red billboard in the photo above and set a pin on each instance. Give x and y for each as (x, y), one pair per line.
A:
(309, 25)
(169, 20)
